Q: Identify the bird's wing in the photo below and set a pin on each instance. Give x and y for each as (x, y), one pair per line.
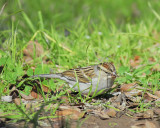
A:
(83, 75)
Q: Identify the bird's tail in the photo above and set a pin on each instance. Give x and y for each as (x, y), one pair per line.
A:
(57, 75)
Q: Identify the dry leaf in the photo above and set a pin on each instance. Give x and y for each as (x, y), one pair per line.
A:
(17, 101)
(152, 96)
(65, 99)
(149, 97)
(36, 95)
(157, 111)
(66, 107)
(119, 101)
(26, 97)
(151, 59)
(127, 87)
(28, 59)
(133, 105)
(146, 115)
(58, 119)
(45, 89)
(157, 93)
(71, 113)
(102, 115)
(149, 113)
(111, 112)
(136, 58)
(136, 99)
(136, 91)
(135, 62)
(33, 49)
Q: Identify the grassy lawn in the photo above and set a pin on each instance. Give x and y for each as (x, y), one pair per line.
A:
(76, 33)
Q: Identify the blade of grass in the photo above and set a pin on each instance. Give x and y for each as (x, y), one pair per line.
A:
(41, 25)
(29, 22)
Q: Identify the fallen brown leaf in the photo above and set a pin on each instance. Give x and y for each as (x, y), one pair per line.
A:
(149, 113)
(151, 59)
(45, 89)
(119, 101)
(136, 58)
(17, 101)
(28, 59)
(127, 87)
(36, 95)
(65, 99)
(102, 115)
(111, 112)
(33, 49)
(145, 115)
(66, 107)
(152, 96)
(136, 91)
(70, 113)
(133, 105)
(149, 97)
(30, 97)
(135, 62)
(157, 111)
(157, 93)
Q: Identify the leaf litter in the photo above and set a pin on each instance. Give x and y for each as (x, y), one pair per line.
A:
(129, 98)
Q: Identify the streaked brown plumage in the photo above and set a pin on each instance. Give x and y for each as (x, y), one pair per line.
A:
(96, 77)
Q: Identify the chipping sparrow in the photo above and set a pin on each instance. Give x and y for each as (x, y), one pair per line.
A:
(90, 79)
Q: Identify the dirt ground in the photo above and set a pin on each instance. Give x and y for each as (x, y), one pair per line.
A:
(88, 122)
(123, 122)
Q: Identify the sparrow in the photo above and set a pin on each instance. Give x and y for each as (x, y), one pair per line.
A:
(88, 80)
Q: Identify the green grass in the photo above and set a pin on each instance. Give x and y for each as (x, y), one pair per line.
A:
(98, 31)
